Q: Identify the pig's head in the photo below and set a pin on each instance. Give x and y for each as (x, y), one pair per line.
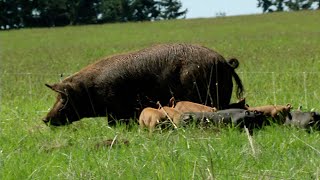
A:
(63, 111)
(286, 109)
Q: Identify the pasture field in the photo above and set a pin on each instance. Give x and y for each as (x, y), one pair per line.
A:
(279, 56)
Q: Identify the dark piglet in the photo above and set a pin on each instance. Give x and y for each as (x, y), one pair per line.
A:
(304, 120)
(236, 117)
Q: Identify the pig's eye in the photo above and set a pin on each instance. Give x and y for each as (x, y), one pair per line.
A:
(63, 100)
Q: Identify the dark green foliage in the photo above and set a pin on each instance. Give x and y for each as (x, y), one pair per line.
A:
(292, 5)
(87, 12)
(171, 9)
(9, 13)
(50, 13)
(144, 10)
(115, 11)
(299, 4)
(271, 5)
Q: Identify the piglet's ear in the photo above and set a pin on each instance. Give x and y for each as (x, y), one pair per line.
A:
(172, 102)
(241, 100)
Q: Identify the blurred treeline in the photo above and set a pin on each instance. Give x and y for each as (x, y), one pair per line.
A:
(288, 5)
(50, 13)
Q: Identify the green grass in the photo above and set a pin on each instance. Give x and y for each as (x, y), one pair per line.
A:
(274, 51)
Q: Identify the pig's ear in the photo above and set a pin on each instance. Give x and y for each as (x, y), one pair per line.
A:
(58, 87)
(289, 105)
(172, 102)
(242, 100)
(55, 87)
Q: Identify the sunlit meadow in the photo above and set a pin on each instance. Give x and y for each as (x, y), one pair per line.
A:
(279, 56)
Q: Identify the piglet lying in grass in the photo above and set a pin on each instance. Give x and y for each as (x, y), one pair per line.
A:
(235, 117)
(272, 110)
(304, 120)
(172, 113)
(188, 106)
(150, 117)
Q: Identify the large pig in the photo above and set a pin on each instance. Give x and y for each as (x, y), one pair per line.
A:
(121, 86)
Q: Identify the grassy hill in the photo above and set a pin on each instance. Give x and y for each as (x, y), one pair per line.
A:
(279, 63)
